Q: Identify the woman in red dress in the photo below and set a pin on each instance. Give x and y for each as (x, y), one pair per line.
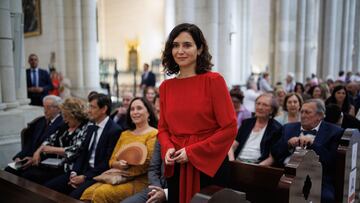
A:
(197, 119)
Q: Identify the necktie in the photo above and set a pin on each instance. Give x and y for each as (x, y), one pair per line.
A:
(93, 144)
(33, 72)
(311, 132)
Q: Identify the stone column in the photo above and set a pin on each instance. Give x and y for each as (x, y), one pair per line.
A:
(300, 41)
(90, 53)
(242, 66)
(311, 38)
(356, 56)
(2, 105)
(225, 38)
(60, 63)
(345, 36)
(7, 74)
(348, 35)
(282, 48)
(207, 19)
(214, 32)
(169, 20)
(73, 44)
(18, 42)
(185, 12)
(329, 40)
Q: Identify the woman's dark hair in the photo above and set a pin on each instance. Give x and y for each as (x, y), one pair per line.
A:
(152, 118)
(311, 91)
(332, 113)
(203, 62)
(298, 84)
(332, 100)
(299, 98)
(147, 89)
(237, 94)
(157, 96)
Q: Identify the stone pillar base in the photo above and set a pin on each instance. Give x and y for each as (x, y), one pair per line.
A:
(2, 106)
(24, 101)
(12, 105)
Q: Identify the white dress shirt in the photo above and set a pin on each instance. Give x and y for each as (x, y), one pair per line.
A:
(101, 126)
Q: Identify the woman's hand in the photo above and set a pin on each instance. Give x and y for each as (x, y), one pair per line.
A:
(169, 156)
(123, 165)
(36, 156)
(180, 156)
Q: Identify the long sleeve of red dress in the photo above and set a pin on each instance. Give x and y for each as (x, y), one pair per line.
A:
(196, 113)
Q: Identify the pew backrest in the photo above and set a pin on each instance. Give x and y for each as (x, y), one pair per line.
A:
(26, 133)
(347, 184)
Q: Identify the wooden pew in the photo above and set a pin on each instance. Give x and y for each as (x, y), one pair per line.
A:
(269, 184)
(302, 177)
(26, 133)
(289, 177)
(349, 141)
(216, 194)
(16, 189)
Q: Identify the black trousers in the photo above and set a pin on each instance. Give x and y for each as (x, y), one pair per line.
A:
(221, 178)
(60, 184)
(13, 171)
(41, 174)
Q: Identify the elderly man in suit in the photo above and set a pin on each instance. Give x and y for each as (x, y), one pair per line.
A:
(98, 145)
(38, 131)
(312, 133)
(38, 81)
(155, 192)
(147, 78)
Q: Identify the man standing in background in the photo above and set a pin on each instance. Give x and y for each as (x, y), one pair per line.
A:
(147, 78)
(38, 81)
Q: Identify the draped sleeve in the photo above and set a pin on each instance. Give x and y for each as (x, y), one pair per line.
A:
(214, 149)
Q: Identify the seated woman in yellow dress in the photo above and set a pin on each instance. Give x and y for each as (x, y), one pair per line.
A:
(142, 128)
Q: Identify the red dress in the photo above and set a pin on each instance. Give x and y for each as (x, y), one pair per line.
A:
(196, 113)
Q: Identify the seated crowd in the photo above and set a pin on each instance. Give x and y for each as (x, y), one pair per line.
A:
(88, 139)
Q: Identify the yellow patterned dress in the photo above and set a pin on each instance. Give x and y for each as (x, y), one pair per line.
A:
(102, 192)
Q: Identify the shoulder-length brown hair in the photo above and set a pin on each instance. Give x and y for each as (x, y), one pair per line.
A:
(299, 98)
(152, 118)
(203, 62)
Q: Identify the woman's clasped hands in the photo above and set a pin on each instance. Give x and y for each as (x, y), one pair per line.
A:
(173, 156)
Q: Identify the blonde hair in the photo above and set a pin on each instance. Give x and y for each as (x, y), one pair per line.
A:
(76, 107)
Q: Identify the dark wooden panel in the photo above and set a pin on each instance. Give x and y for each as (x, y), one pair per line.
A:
(14, 189)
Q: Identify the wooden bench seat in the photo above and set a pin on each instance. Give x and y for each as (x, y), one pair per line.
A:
(16, 189)
(291, 184)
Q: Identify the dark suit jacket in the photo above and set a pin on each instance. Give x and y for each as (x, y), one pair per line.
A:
(271, 135)
(149, 81)
(38, 133)
(121, 122)
(44, 82)
(350, 122)
(104, 149)
(325, 145)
